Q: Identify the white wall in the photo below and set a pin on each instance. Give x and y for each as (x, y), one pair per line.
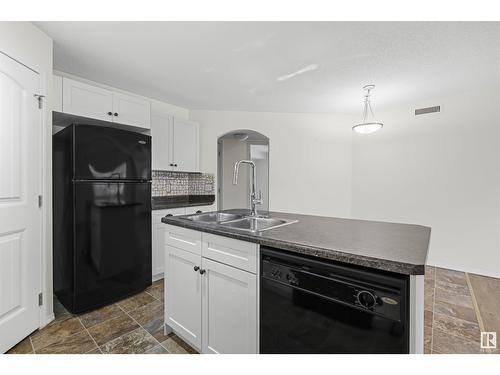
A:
(234, 196)
(27, 44)
(309, 157)
(440, 170)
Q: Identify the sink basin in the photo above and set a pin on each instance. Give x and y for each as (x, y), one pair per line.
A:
(214, 217)
(257, 224)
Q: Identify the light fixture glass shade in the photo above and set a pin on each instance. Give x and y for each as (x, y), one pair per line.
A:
(367, 126)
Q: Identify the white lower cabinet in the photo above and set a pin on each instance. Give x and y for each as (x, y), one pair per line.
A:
(211, 305)
(183, 309)
(229, 306)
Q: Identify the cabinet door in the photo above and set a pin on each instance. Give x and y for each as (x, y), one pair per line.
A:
(229, 305)
(86, 100)
(158, 251)
(161, 134)
(185, 146)
(131, 110)
(183, 294)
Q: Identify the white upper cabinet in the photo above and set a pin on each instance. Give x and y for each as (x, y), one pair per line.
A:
(161, 134)
(131, 110)
(175, 143)
(185, 146)
(86, 100)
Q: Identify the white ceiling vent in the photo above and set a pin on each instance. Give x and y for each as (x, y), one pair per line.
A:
(423, 111)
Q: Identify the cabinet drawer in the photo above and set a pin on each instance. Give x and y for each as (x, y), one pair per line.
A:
(239, 254)
(182, 238)
(158, 214)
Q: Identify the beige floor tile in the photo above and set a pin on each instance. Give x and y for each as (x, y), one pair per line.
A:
(428, 316)
(451, 276)
(156, 290)
(78, 343)
(136, 301)
(445, 343)
(458, 327)
(24, 347)
(113, 328)
(147, 313)
(487, 293)
(453, 288)
(158, 349)
(446, 296)
(456, 311)
(175, 345)
(55, 332)
(98, 316)
(95, 351)
(137, 341)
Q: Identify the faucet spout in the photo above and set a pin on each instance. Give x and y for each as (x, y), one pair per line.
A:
(254, 200)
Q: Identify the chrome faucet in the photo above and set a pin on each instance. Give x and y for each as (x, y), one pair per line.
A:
(254, 199)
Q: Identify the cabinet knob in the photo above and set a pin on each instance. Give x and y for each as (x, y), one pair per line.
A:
(115, 114)
(171, 164)
(199, 212)
(202, 271)
(175, 165)
(110, 113)
(196, 268)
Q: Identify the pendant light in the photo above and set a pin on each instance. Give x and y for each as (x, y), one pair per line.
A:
(369, 125)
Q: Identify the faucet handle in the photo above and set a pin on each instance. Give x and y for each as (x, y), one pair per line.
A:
(258, 198)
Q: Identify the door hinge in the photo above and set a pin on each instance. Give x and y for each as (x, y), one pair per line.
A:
(40, 201)
(40, 100)
(40, 299)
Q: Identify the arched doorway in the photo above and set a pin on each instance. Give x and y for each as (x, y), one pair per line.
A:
(237, 145)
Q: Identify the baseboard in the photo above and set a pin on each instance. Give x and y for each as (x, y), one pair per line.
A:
(466, 269)
(157, 277)
(49, 318)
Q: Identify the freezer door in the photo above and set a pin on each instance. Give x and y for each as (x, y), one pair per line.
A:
(108, 153)
(112, 242)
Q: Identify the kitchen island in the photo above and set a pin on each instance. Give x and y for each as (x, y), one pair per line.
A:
(212, 248)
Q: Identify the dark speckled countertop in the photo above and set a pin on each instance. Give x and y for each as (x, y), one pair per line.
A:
(161, 203)
(400, 248)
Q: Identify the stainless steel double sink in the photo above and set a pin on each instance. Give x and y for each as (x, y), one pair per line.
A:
(241, 222)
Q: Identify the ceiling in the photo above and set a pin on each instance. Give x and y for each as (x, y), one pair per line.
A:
(280, 66)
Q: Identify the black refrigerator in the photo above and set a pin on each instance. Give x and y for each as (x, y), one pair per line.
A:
(101, 215)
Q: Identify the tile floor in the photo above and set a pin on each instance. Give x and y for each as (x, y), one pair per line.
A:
(133, 325)
(457, 307)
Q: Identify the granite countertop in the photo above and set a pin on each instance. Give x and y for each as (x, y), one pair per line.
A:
(400, 248)
(162, 203)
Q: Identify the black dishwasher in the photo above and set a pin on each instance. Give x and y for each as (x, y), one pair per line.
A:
(311, 306)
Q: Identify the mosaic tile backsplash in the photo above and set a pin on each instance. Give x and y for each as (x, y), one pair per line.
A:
(167, 183)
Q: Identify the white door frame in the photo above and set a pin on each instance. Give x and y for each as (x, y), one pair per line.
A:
(46, 284)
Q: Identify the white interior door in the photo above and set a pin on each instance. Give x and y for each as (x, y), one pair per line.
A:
(20, 225)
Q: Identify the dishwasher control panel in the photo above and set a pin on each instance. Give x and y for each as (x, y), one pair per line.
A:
(348, 289)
